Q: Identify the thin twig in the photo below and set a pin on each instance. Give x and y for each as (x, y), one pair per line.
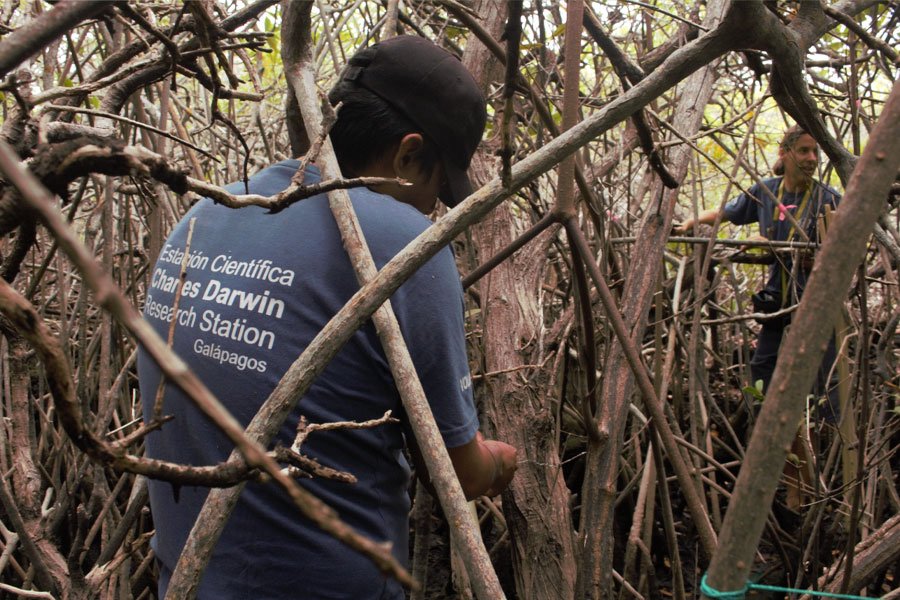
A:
(115, 117)
(668, 14)
(285, 198)
(731, 242)
(755, 316)
(304, 428)
(26, 593)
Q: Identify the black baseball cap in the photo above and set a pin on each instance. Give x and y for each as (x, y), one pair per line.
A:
(431, 88)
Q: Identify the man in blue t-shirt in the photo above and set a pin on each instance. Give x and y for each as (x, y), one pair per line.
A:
(260, 286)
(787, 208)
(793, 192)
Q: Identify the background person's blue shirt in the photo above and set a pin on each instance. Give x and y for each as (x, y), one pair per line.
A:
(758, 205)
(259, 287)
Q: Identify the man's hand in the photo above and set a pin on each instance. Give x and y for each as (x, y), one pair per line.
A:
(484, 467)
(505, 465)
(707, 217)
(754, 238)
(683, 228)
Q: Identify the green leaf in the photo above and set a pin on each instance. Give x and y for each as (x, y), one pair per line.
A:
(274, 41)
(754, 391)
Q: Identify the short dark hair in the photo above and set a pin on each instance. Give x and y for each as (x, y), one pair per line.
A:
(368, 127)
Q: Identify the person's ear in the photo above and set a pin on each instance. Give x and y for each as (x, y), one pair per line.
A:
(407, 156)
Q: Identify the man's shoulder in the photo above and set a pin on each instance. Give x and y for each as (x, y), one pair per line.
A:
(771, 183)
(762, 190)
(387, 224)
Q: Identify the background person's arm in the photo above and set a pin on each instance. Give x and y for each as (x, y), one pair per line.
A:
(707, 217)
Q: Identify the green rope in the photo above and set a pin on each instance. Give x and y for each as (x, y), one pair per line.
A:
(711, 592)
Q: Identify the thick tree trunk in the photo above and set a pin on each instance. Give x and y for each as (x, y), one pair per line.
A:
(536, 504)
(517, 410)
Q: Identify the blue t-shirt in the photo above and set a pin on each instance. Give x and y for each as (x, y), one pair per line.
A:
(758, 206)
(258, 288)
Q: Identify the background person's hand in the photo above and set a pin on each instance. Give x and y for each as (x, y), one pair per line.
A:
(755, 238)
(683, 228)
(686, 227)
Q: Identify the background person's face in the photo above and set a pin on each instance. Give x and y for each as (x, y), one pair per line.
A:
(802, 159)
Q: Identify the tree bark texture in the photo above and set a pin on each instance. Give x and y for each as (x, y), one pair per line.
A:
(516, 402)
(517, 407)
(872, 555)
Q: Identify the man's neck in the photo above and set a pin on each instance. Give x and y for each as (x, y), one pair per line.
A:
(794, 186)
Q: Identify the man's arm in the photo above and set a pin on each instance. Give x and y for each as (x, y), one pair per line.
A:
(483, 467)
(742, 210)
(429, 308)
(707, 217)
